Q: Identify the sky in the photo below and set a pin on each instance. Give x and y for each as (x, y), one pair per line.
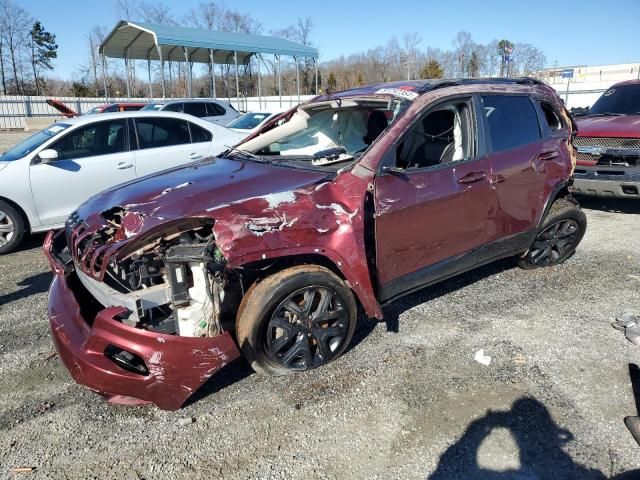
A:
(569, 32)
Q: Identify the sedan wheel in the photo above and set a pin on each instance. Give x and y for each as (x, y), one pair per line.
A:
(7, 229)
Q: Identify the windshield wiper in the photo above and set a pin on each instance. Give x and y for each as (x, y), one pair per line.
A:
(245, 154)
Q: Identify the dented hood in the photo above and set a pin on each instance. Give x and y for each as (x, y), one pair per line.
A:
(623, 126)
(196, 190)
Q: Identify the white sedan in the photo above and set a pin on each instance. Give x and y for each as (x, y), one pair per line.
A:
(46, 176)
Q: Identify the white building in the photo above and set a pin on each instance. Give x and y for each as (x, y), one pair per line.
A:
(587, 83)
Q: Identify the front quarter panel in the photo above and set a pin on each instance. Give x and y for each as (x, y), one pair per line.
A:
(325, 219)
(15, 186)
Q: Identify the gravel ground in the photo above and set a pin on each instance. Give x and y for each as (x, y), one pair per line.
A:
(406, 401)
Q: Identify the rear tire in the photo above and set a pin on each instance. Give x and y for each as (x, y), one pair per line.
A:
(295, 320)
(12, 228)
(558, 236)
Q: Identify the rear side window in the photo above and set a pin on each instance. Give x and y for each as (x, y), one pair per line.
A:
(215, 110)
(110, 108)
(174, 107)
(161, 132)
(197, 109)
(199, 134)
(512, 121)
(552, 117)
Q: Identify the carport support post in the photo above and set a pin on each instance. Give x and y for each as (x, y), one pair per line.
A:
(295, 59)
(126, 68)
(315, 63)
(235, 60)
(279, 79)
(149, 71)
(186, 57)
(104, 78)
(161, 71)
(213, 75)
(259, 85)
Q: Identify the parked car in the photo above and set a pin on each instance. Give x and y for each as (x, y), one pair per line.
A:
(105, 108)
(116, 107)
(215, 111)
(358, 198)
(251, 121)
(608, 144)
(46, 176)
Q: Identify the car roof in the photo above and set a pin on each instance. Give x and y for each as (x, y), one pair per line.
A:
(189, 100)
(424, 86)
(86, 119)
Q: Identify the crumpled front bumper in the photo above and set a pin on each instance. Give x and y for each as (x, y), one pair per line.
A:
(176, 366)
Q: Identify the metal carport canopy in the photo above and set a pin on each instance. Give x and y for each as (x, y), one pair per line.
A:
(140, 41)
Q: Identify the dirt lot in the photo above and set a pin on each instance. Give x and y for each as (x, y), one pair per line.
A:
(406, 401)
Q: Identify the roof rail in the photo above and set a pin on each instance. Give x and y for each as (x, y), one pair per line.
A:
(479, 81)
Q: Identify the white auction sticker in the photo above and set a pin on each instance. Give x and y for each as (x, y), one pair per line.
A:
(398, 92)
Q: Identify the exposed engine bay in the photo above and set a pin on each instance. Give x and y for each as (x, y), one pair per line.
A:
(173, 285)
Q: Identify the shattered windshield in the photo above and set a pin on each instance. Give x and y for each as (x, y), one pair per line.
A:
(328, 134)
(620, 100)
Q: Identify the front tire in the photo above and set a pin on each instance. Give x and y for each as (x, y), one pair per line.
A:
(557, 239)
(12, 228)
(295, 320)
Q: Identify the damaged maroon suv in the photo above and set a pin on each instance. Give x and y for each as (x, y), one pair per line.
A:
(267, 251)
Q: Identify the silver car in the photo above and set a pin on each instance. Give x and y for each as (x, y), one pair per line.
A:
(46, 176)
(215, 111)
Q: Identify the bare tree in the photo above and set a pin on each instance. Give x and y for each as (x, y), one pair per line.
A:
(463, 46)
(16, 23)
(410, 52)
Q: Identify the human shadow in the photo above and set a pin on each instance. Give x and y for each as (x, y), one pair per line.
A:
(35, 284)
(612, 205)
(538, 438)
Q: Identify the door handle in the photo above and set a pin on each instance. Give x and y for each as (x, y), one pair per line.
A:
(550, 155)
(196, 156)
(124, 165)
(473, 177)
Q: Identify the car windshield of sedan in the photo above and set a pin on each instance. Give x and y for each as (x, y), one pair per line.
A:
(29, 144)
(328, 134)
(248, 121)
(152, 107)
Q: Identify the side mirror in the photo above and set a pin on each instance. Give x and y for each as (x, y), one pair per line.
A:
(48, 155)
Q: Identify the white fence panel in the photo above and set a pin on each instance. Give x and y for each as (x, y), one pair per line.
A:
(14, 109)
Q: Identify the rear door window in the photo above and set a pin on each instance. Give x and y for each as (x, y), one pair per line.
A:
(174, 107)
(215, 110)
(199, 134)
(161, 132)
(197, 109)
(100, 138)
(512, 121)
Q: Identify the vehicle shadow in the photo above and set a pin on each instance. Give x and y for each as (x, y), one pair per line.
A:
(34, 240)
(393, 311)
(35, 284)
(612, 205)
(228, 375)
(539, 442)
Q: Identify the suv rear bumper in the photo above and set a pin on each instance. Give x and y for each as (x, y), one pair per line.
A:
(175, 366)
(606, 183)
